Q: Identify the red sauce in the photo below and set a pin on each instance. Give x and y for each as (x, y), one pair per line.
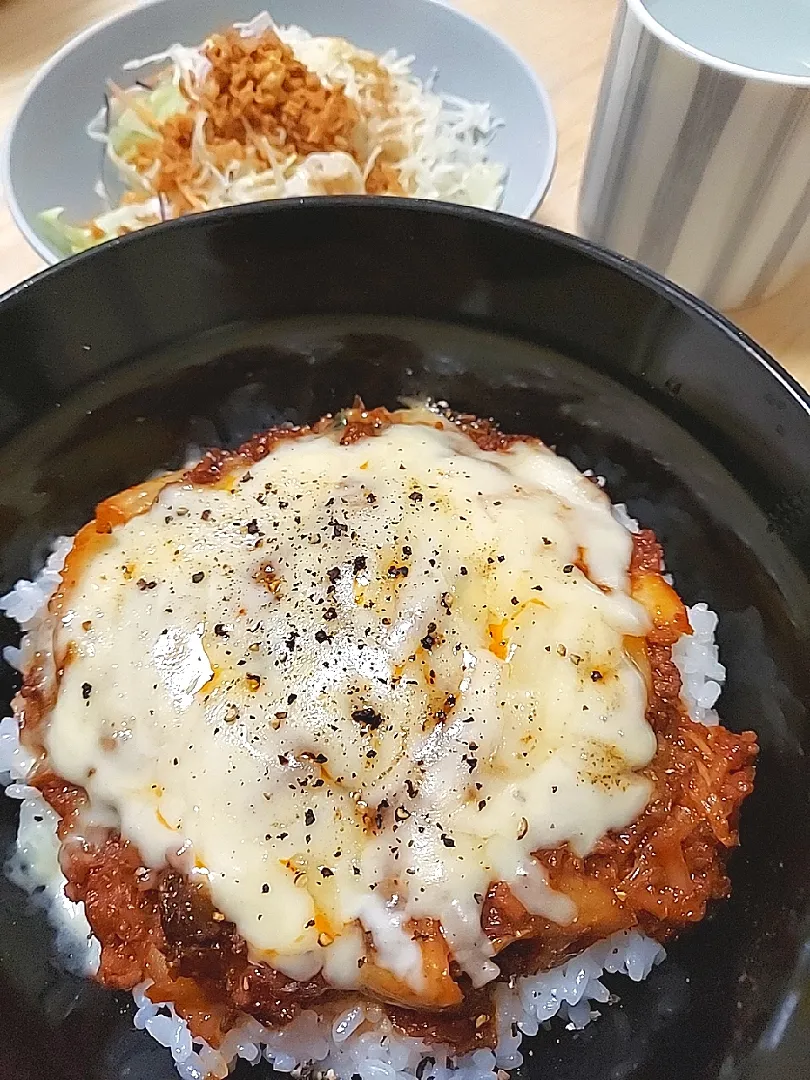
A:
(353, 425)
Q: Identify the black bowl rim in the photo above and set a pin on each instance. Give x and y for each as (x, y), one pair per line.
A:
(658, 284)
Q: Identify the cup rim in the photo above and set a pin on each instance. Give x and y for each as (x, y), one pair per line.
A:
(742, 71)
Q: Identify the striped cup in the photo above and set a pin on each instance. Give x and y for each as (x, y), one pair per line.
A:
(699, 159)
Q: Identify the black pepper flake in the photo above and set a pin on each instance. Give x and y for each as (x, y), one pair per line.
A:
(143, 584)
(410, 787)
(220, 630)
(326, 872)
(205, 515)
(448, 841)
(515, 601)
(330, 614)
(397, 571)
(87, 689)
(597, 676)
(568, 568)
(309, 817)
(368, 717)
(415, 496)
(428, 641)
(291, 698)
(321, 636)
(546, 541)
(537, 588)
(482, 804)
(553, 789)
(197, 578)
(265, 888)
(463, 571)
(333, 574)
(359, 563)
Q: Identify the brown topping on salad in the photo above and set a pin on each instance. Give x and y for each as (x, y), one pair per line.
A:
(257, 84)
(259, 102)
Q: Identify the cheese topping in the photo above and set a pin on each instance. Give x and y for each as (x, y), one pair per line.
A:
(352, 686)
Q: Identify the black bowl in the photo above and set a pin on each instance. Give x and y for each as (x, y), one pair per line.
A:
(207, 330)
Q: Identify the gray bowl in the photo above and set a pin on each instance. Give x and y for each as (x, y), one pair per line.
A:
(50, 161)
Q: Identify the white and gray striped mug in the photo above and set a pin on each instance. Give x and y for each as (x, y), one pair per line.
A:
(699, 159)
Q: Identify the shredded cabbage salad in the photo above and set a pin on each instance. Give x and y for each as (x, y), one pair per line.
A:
(436, 144)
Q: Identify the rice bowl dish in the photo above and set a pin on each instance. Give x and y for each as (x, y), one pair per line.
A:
(424, 743)
(261, 111)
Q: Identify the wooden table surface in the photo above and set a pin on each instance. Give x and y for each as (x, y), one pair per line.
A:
(565, 40)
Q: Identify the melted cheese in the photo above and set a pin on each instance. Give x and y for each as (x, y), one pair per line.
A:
(354, 685)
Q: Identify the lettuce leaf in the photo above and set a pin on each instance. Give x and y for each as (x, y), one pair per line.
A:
(67, 238)
(131, 128)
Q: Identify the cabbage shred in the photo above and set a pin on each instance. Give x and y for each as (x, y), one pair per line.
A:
(162, 158)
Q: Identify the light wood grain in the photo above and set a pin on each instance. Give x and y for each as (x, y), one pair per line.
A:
(565, 40)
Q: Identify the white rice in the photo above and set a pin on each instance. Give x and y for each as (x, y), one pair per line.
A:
(359, 1041)
(697, 657)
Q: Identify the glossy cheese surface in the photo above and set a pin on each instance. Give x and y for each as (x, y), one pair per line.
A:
(350, 686)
